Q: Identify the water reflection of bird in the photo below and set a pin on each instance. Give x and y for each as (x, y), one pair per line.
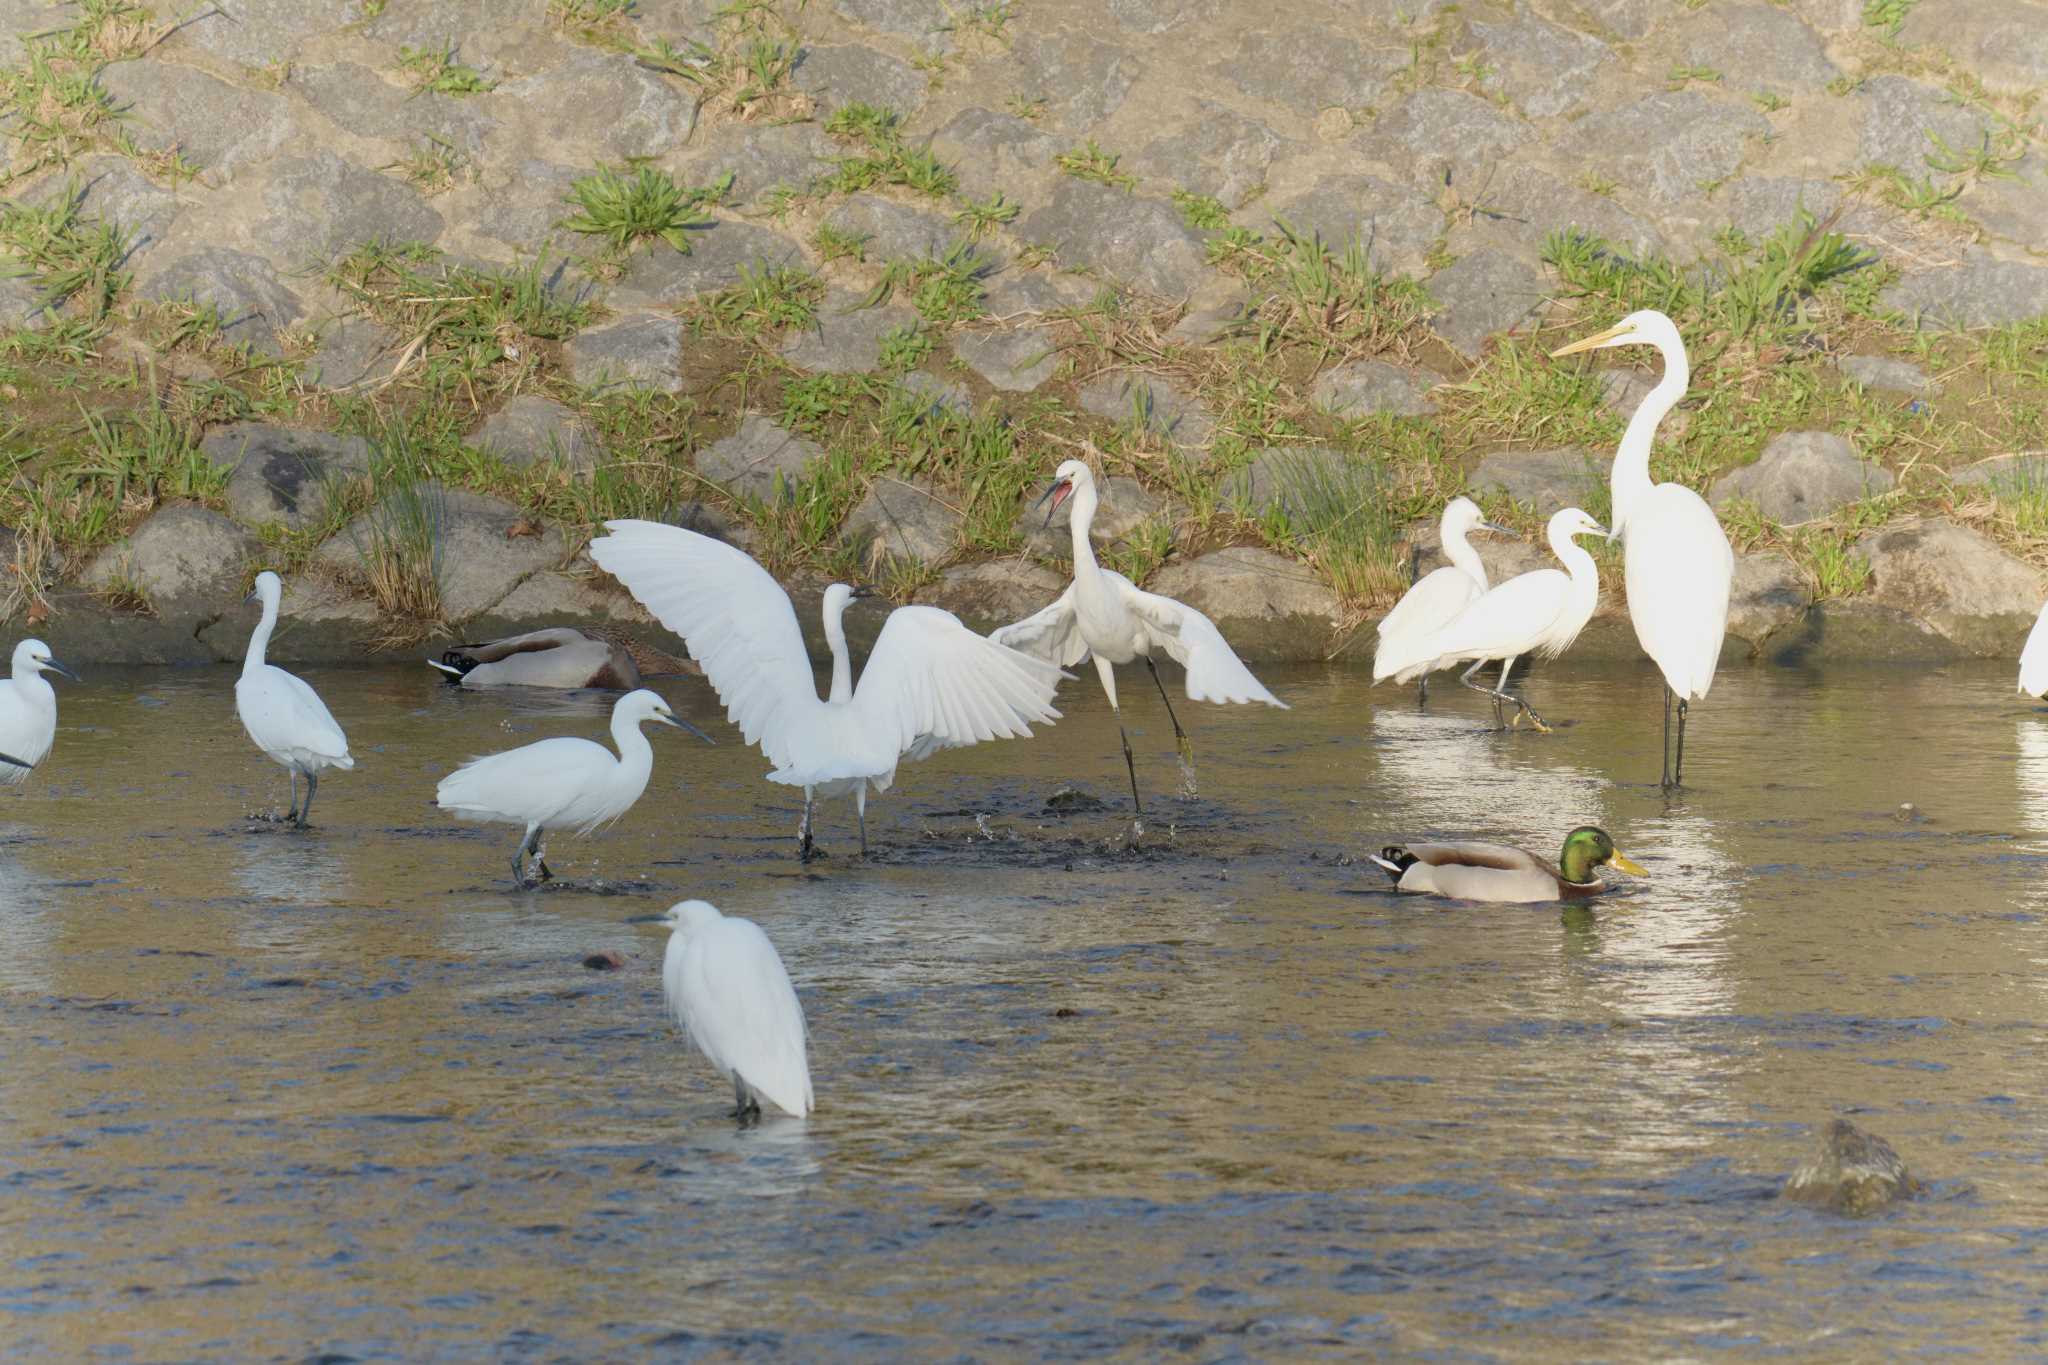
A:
(28, 710)
(284, 716)
(930, 682)
(561, 783)
(1105, 615)
(1500, 872)
(726, 986)
(1436, 771)
(1435, 599)
(1677, 562)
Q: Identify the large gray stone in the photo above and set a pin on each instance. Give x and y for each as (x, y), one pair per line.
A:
(1396, 224)
(113, 191)
(1544, 69)
(318, 207)
(1363, 387)
(993, 152)
(362, 102)
(641, 350)
(1761, 204)
(1131, 241)
(602, 105)
(1310, 68)
(1267, 606)
(1081, 79)
(927, 23)
(527, 207)
(1126, 505)
(847, 337)
(1149, 403)
(1769, 594)
(1159, 16)
(1298, 479)
(900, 519)
(1978, 290)
(285, 475)
(1483, 295)
(221, 127)
(747, 462)
(1886, 372)
(995, 592)
(1803, 476)
(659, 276)
(1545, 480)
(1854, 1173)
(891, 231)
(1902, 118)
(252, 302)
(530, 428)
(1221, 154)
(353, 351)
(1443, 132)
(834, 76)
(1671, 144)
(1520, 205)
(186, 560)
(1016, 361)
(1757, 47)
(1956, 580)
(2005, 474)
(761, 159)
(261, 32)
(2004, 44)
(22, 304)
(483, 547)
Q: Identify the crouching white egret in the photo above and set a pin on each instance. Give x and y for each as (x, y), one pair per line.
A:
(1104, 614)
(561, 783)
(1677, 562)
(1435, 599)
(1503, 873)
(2033, 658)
(726, 986)
(1540, 612)
(284, 716)
(28, 711)
(930, 683)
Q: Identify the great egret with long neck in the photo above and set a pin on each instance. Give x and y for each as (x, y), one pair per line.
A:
(1540, 612)
(1435, 599)
(930, 682)
(284, 716)
(561, 783)
(28, 711)
(1676, 560)
(1104, 614)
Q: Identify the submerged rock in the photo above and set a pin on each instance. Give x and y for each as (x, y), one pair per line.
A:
(1854, 1173)
(1956, 580)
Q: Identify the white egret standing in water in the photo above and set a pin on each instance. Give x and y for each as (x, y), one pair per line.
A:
(28, 711)
(930, 682)
(1435, 599)
(726, 986)
(561, 783)
(1540, 612)
(1104, 614)
(1677, 562)
(2033, 658)
(282, 714)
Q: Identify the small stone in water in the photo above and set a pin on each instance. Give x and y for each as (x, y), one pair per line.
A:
(608, 961)
(1854, 1173)
(1068, 800)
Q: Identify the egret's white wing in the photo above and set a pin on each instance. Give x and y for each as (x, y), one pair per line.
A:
(25, 732)
(1053, 634)
(316, 724)
(736, 620)
(726, 985)
(931, 683)
(2033, 662)
(534, 784)
(1433, 603)
(1678, 566)
(1214, 672)
(286, 717)
(1506, 620)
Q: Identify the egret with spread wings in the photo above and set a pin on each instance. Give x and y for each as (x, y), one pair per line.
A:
(929, 684)
(1104, 614)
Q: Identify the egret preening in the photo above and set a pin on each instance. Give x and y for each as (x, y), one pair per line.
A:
(2033, 658)
(1532, 613)
(1502, 873)
(282, 714)
(1104, 614)
(542, 658)
(1435, 599)
(28, 711)
(726, 986)
(930, 682)
(1676, 559)
(561, 783)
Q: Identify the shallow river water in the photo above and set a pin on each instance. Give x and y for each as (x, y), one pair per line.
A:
(346, 1094)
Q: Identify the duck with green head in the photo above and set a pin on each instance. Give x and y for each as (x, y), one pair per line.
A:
(1497, 872)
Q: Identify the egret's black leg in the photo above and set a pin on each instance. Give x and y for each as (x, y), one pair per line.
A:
(804, 847)
(1180, 736)
(1422, 693)
(312, 785)
(291, 775)
(1664, 754)
(861, 810)
(1130, 765)
(1678, 759)
(540, 859)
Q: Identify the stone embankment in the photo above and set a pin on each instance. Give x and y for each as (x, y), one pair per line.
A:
(856, 343)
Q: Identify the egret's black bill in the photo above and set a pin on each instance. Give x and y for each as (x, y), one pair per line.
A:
(682, 724)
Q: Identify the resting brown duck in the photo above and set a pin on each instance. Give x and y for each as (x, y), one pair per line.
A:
(558, 657)
(1498, 872)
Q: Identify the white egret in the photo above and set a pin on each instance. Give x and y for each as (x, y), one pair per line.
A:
(1533, 613)
(2033, 658)
(930, 683)
(1505, 874)
(1676, 560)
(1104, 614)
(28, 711)
(1436, 598)
(561, 783)
(560, 657)
(726, 986)
(284, 716)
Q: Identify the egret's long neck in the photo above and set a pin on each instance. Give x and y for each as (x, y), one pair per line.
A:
(1463, 557)
(842, 662)
(259, 639)
(1630, 478)
(1081, 518)
(1579, 564)
(636, 755)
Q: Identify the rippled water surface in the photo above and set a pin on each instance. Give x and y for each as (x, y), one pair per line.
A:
(271, 1095)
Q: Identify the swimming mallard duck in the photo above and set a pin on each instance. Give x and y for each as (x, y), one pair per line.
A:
(1496, 872)
(561, 657)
